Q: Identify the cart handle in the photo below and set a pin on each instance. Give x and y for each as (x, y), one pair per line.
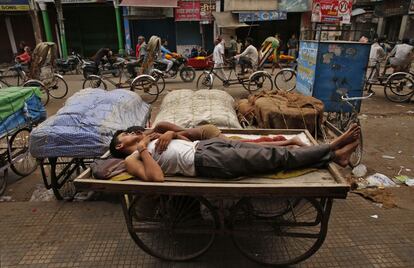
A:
(344, 98)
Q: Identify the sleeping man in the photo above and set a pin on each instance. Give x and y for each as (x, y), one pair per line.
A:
(151, 155)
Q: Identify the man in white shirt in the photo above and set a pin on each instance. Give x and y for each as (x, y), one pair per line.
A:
(218, 58)
(376, 56)
(401, 56)
(249, 57)
(150, 156)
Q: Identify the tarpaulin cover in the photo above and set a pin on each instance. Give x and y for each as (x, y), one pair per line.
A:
(84, 126)
(19, 107)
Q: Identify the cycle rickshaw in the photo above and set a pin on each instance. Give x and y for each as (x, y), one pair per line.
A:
(24, 110)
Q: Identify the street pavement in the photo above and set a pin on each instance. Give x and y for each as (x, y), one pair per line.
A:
(93, 233)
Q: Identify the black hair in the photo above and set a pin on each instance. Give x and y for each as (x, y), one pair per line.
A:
(114, 142)
(406, 41)
(135, 129)
(231, 37)
(250, 40)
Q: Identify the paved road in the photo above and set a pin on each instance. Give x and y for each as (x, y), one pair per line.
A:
(93, 234)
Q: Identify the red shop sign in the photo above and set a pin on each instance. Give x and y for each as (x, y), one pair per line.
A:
(325, 11)
(187, 11)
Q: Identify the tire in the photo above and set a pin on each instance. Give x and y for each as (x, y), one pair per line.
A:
(172, 228)
(3, 84)
(259, 82)
(159, 77)
(399, 87)
(87, 73)
(58, 88)
(282, 238)
(187, 74)
(205, 81)
(149, 87)
(21, 161)
(285, 80)
(45, 92)
(3, 181)
(94, 81)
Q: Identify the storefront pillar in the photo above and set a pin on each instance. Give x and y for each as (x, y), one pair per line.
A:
(127, 32)
(121, 49)
(46, 21)
(403, 28)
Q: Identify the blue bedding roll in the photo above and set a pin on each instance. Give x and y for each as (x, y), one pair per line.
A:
(86, 123)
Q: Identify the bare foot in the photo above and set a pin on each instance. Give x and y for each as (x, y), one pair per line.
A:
(349, 136)
(342, 155)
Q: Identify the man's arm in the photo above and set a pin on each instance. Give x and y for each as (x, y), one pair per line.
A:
(140, 164)
(191, 134)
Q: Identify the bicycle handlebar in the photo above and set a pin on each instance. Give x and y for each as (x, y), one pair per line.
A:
(356, 98)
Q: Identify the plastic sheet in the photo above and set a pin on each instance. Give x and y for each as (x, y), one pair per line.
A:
(86, 123)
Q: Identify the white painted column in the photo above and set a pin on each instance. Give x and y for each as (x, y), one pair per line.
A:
(216, 28)
(403, 28)
(11, 35)
(380, 27)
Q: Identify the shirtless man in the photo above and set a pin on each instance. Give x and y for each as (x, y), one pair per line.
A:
(151, 156)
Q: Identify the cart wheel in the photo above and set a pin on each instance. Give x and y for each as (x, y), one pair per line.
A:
(58, 88)
(62, 172)
(187, 74)
(260, 81)
(3, 84)
(278, 236)
(285, 80)
(205, 81)
(399, 87)
(148, 85)
(44, 98)
(94, 81)
(21, 161)
(173, 228)
(159, 77)
(3, 181)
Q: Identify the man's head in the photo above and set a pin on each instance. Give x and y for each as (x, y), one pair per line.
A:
(141, 39)
(293, 36)
(249, 41)
(124, 142)
(231, 37)
(164, 42)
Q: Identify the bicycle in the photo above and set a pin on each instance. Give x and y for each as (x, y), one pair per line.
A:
(258, 80)
(144, 82)
(398, 86)
(285, 79)
(339, 122)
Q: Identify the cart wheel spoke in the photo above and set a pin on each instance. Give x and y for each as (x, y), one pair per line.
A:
(260, 82)
(285, 80)
(205, 81)
(147, 87)
(94, 81)
(172, 227)
(58, 87)
(277, 231)
(399, 88)
(21, 161)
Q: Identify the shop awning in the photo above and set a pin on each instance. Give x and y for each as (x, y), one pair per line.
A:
(149, 3)
(228, 20)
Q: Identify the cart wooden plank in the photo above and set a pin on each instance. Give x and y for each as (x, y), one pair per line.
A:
(326, 182)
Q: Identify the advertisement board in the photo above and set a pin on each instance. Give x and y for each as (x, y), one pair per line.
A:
(187, 11)
(206, 9)
(262, 16)
(14, 5)
(332, 11)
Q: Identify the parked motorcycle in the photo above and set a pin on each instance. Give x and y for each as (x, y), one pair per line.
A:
(187, 73)
(106, 67)
(74, 62)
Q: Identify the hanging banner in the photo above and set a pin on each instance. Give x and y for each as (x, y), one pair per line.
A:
(262, 16)
(14, 5)
(294, 5)
(206, 9)
(411, 8)
(187, 11)
(332, 11)
(344, 11)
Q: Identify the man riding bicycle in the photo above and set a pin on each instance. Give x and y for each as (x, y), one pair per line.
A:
(249, 57)
(401, 56)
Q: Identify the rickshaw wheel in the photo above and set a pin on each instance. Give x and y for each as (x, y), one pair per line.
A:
(205, 81)
(173, 228)
(94, 81)
(260, 82)
(21, 161)
(399, 88)
(285, 80)
(187, 74)
(58, 88)
(149, 86)
(160, 80)
(3, 181)
(62, 175)
(275, 235)
(45, 92)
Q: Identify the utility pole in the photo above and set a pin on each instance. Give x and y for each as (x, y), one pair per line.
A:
(61, 23)
(46, 21)
(35, 21)
(118, 28)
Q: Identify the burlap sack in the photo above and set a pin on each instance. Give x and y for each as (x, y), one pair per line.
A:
(286, 110)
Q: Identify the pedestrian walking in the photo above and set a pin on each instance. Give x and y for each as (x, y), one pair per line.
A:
(293, 46)
(233, 47)
(218, 58)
